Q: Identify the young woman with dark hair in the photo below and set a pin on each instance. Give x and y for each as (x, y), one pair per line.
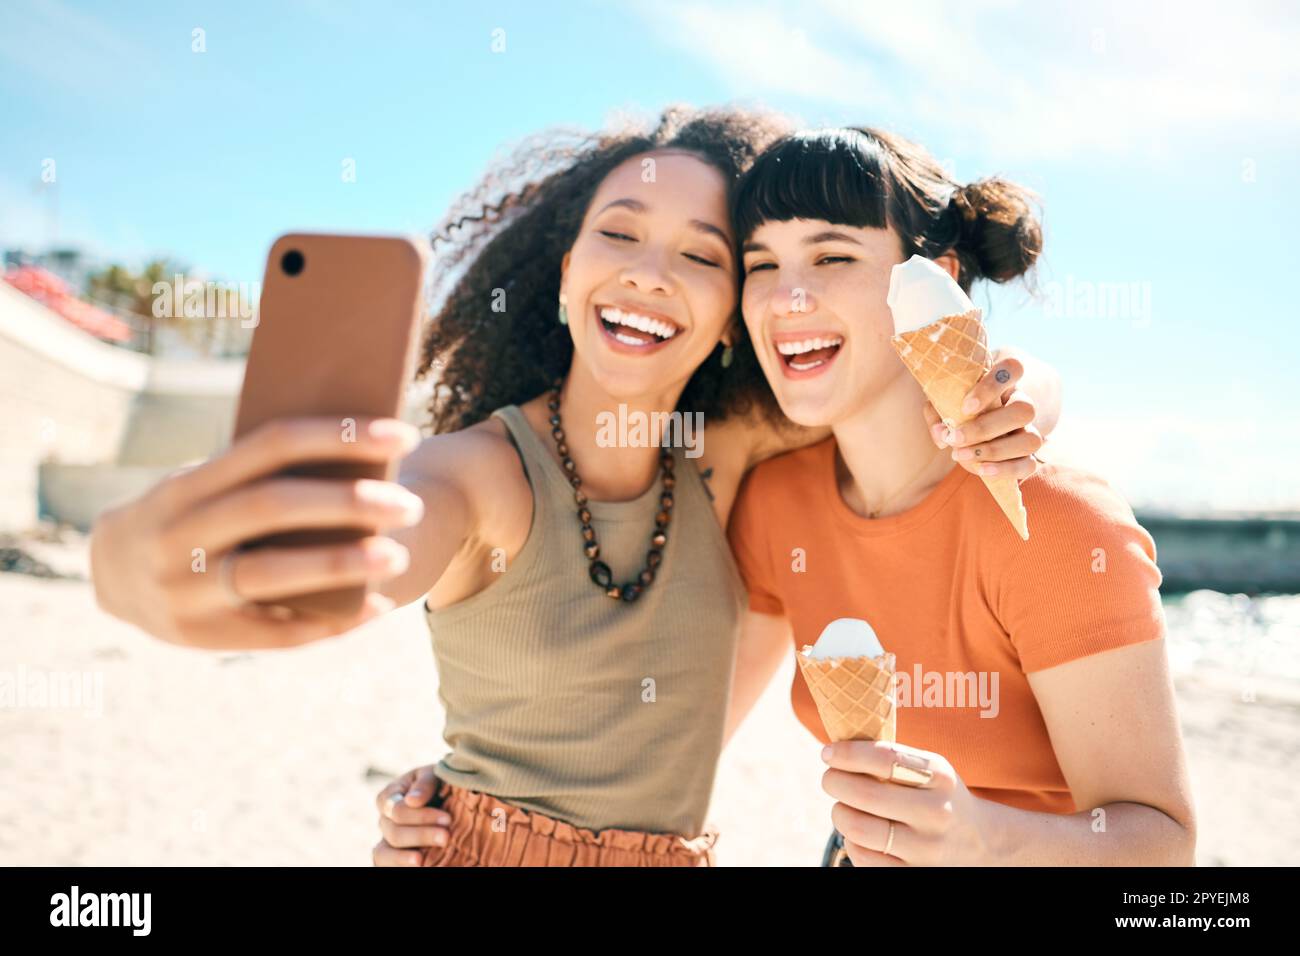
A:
(1037, 708)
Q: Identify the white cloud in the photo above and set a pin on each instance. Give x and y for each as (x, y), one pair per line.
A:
(1027, 80)
(762, 50)
(1181, 462)
(59, 45)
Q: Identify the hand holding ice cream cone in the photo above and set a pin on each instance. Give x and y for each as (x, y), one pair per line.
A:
(940, 336)
(851, 678)
(903, 806)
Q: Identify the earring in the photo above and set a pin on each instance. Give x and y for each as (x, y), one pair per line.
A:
(563, 312)
(727, 354)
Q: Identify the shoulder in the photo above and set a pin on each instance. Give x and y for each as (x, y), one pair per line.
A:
(769, 516)
(777, 479)
(729, 448)
(479, 463)
(471, 451)
(751, 437)
(729, 444)
(1086, 581)
(1077, 520)
(793, 465)
(1067, 500)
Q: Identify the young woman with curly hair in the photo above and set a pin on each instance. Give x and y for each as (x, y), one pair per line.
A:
(583, 601)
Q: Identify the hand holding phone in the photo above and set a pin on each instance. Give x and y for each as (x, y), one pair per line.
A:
(336, 337)
(306, 479)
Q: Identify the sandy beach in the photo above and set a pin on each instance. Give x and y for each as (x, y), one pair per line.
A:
(156, 755)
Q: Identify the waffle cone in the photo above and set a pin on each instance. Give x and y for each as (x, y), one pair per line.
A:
(854, 695)
(947, 358)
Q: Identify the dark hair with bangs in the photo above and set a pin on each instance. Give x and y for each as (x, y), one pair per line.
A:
(868, 178)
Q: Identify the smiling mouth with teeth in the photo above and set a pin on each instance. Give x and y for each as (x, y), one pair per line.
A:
(809, 353)
(634, 329)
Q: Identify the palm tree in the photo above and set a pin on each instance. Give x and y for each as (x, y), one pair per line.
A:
(119, 287)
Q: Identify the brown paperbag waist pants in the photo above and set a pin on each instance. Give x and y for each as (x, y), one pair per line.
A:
(485, 831)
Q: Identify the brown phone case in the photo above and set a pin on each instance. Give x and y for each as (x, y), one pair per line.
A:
(336, 335)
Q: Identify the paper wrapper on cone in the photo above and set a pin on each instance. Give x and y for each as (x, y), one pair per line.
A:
(948, 357)
(854, 695)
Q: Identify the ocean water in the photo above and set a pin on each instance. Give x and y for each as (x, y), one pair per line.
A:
(1249, 636)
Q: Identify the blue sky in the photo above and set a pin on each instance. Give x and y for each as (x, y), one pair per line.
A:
(1163, 138)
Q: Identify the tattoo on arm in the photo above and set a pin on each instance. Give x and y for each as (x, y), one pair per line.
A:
(705, 475)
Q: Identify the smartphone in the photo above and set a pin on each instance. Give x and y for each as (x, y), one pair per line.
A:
(336, 335)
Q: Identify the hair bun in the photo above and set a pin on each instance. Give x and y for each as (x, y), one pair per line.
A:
(1000, 229)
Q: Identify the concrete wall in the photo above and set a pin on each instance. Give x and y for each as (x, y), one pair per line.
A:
(64, 396)
(84, 425)
(73, 408)
(1251, 554)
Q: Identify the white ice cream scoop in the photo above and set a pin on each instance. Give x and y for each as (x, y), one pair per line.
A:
(846, 637)
(921, 292)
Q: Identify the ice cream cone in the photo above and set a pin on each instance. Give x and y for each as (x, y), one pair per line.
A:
(854, 695)
(948, 357)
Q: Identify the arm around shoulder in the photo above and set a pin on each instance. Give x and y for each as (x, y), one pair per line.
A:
(1041, 382)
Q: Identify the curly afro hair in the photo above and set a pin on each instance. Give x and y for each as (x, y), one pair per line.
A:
(507, 237)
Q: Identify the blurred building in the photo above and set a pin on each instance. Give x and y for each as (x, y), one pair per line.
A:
(87, 423)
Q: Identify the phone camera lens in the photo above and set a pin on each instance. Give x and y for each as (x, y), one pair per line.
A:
(292, 262)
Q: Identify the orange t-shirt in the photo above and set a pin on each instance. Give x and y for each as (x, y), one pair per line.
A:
(967, 608)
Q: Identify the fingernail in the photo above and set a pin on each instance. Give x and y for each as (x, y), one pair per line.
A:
(385, 494)
(988, 469)
(392, 429)
(963, 454)
(937, 432)
(955, 437)
(971, 404)
(395, 561)
(415, 792)
(826, 753)
(411, 506)
(445, 819)
(385, 556)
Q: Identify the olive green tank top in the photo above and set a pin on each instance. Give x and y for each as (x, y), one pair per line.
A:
(595, 711)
